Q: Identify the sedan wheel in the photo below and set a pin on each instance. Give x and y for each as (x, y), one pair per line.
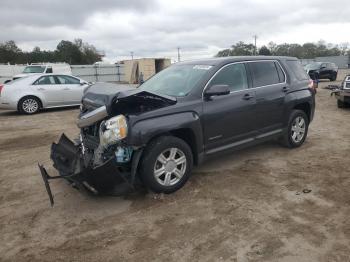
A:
(29, 105)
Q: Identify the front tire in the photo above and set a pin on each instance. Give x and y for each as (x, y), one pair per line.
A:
(29, 105)
(166, 165)
(297, 129)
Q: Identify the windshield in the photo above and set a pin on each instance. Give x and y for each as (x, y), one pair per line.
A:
(176, 80)
(313, 66)
(34, 69)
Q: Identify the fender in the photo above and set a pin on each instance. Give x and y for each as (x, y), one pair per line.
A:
(142, 131)
(296, 98)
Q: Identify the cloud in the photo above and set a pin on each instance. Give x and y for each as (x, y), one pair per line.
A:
(157, 28)
(72, 13)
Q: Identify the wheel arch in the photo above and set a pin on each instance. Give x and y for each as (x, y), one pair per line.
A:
(305, 107)
(185, 126)
(185, 134)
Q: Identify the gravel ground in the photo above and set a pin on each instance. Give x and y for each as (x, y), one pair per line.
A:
(245, 206)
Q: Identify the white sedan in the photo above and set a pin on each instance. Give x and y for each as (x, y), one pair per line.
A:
(30, 94)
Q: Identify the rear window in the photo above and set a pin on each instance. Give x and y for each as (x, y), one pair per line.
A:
(264, 73)
(297, 69)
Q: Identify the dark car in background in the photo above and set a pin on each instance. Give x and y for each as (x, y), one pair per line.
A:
(322, 70)
(181, 116)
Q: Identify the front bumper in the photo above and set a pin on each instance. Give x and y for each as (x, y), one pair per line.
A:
(342, 95)
(110, 178)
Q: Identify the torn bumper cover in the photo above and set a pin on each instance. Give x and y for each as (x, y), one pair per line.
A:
(109, 178)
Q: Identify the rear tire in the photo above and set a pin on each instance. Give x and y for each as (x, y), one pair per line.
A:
(297, 129)
(29, 105)
(166, 164)
(340, 104)
(333, 77)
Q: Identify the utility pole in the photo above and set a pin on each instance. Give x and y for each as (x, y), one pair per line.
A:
(255, 37)
(178, 54)
(132, 55)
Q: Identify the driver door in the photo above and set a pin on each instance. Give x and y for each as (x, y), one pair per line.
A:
(229, 120)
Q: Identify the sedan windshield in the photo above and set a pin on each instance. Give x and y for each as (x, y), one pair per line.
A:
(176, 80)
(34, 69)
(313, 66)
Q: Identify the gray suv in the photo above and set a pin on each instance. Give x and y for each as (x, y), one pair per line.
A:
(155, 134)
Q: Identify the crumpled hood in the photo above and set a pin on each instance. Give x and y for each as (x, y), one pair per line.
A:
(123, 98)
(101, 94)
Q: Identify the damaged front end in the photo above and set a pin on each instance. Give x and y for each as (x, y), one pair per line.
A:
(100, 161)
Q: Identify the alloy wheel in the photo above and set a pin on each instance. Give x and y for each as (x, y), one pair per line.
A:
(298, 129)
(170, 166)
(30, 106)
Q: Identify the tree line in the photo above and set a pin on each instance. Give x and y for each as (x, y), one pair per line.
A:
(307, 50)
(75, 53)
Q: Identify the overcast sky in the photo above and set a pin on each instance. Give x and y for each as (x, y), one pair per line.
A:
(155, 28)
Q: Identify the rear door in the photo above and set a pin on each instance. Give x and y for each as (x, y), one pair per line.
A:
(269, 82)
(50, 90)
(229, 120)
(72, 89)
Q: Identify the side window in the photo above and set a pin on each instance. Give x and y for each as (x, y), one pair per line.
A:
(264, 73)
(49, 70)
(235, 76)
(68, 80)
(45, 80)
(281, 75)
(297, 69)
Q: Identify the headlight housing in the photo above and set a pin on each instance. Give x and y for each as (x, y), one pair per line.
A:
(113, 130)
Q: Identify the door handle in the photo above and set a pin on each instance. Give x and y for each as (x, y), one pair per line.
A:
(40, 88)
(285, 89)
(248, 97)
(66, 88)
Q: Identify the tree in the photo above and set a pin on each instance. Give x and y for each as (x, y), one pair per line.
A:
(76, 52)
(225, 52)
(272, 47)
(9, 52)
(242, 48)
(264, 51)
(238, 49)
(307, 50)
(69, 52)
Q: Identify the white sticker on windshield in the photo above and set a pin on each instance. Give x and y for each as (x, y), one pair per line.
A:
(202, 67)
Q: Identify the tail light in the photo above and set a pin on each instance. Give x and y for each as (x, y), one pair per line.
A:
(1, 87)
(312, 85)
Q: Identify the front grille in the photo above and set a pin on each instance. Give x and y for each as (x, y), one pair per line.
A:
(91, 142)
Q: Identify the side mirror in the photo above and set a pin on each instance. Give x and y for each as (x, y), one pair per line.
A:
(82, 82)
(322, 67)
(217, 90)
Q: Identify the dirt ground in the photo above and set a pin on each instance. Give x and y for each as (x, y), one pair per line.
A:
(245, 206)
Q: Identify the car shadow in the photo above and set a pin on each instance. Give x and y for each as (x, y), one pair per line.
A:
(42, 111)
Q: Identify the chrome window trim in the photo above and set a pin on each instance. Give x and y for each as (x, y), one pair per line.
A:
(242, 62)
